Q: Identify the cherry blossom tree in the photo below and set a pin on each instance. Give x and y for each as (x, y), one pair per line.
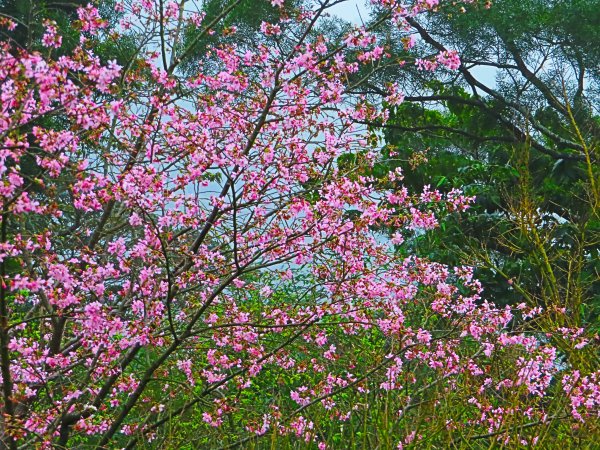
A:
(185, 237)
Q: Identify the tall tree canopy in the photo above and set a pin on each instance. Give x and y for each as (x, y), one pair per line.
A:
(517, 125)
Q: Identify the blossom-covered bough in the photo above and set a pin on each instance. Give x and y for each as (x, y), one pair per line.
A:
(183, 241)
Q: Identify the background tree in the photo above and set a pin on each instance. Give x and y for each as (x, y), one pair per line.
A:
(518, 128)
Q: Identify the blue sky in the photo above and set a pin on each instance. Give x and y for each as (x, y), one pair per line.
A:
(351, 10)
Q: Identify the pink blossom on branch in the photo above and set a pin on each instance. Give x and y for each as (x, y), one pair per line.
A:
(50, 37)
(174, 220)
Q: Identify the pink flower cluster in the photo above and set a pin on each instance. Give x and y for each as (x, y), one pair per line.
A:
(184, 238)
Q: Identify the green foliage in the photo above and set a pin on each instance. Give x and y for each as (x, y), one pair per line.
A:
(246, 17)
(28, 15)
(527, 148)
